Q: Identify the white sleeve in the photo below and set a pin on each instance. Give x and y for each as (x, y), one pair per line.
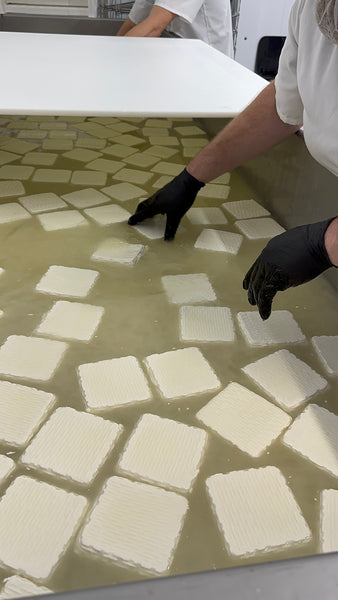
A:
(288, 101)
(140, 10)
(187, 10)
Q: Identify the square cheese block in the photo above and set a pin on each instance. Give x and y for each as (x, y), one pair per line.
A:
(244, 419)
(31, 357)
(188, 289)
(110, 383)
(148, 131)
(105, 165)
(190, 142)
(181, 373)
(159, 123)
(135, 524)
(245, 209)
(190, 151)
(22, 411)
(118, 251)
(225, 178)
(19, 146)
(85, 198)
(161, 151)
(67, 281)
(206, 324)
(161, 181)
(71, 321)
(128, 140)
(49, 125)
(37, 203)
(52, 175)
(208, 215)
(189, 130)
(16, 586)
(88, 178)
(82, 154)
(12, 211)
(91, 143)
(119, 150)
(55, 134)
(255, 229)
(45, 159)
(9, 189)
(214, 190)
(164, 452)
(57, 145)
(7, 466)
(72, 445)
(219, 241)
(37, 522)
(32, 134)
(154, 228)
(167, 168)
(65, 219)
(256, 511)
(123, 127)
(314, 435)
(141, 159)
(8, 157)
(124, 191)
(164, 140)
(133, 176)
(285, 378)
(16, 172)
(108, 214)
(326, 347)
(329, 521)
(280, 328)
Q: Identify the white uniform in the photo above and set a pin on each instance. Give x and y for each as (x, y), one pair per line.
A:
(209, 21)
(307, 86)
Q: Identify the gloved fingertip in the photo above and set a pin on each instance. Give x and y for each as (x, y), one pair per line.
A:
(168, 238)
(132, 220)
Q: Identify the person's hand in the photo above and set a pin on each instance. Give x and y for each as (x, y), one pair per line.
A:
(289, 259)
(173, 200)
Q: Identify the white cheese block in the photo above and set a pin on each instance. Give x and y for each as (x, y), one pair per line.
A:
(118, 251)
(67, 281)
(8, 157)
(72, 445)
(314, 434)
(7, 466)
(285, 378)
(329, 521)
(85, 198)
(32, 134)
(189, 142)
(57, 145)
(43, 159)
(37, 522)
(280, 328)
(245, 209)
(128, 140)
(19, 146)
(105, 165)
(182, 373)
(49, 125)
(208, 215)
(52, 175)
(123, 191)
(123, 127)
(91, 143)
(135, 524)
(133, 176)
(71, 321)
(110, 383)
(167, 168)
(141, 159)
(255, 229)
(161, 181)
(61, 135)
(164, 452)
(119, 150)
(108, 214)
(219, 241)
(37, 203)
(190, 151)
(16, 172)
(22, 411)
(9, 189)
(154, 228)
(161, 151)
(159, 123)
(88, 178)
(326, 347)
(214, 190)
(31, 357)
(16, 586)
(82, 154)
(188, 289)
(206, 324)
(189, 130)
(148, 131)
(245, 419)
(12, 211)
(65, 219)
(256, 511)
(164, 140)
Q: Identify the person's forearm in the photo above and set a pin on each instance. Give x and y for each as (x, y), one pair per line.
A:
(154, 24)
(331, 241)
(251, 133)
(127, 26)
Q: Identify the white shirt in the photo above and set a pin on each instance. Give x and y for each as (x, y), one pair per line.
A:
(307, 84)
(209, 21)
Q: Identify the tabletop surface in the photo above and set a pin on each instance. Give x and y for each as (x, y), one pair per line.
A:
(54, 74)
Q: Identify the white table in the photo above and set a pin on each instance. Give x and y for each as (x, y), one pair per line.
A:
(53, 74)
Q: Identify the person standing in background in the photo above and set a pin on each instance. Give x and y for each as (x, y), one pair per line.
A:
(209, 21)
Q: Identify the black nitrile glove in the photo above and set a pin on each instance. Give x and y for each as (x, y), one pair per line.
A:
(173, 200)
(289, 259)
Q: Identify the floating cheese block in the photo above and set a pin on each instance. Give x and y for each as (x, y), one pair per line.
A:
(110, 383)
(52, 175)
(164, 452)
(19, 146)
(43, 159)
(90, 143)
(133, 176)
(329, 521)
(206, 324)
(31, 357)
(37, 522)
(123, 127)
(108, 214)
(48, 125)
(208, 215)
(22, 411)
(280, 328)
(256, 511)
(37, 203)
(161, 151)
(105, 165)
(326, 347)
(164, 140)
(245, 209)
(245, 419)
(62, 220)
(7, 466)
(149, 131)
(189, 130)
(219, 241)
(119, 251)
(72, 445)
(286, 378)
(161, 181)
(181, 373)
(188, 289)
(119, 150)
(135, 524)
(62, 135)
(82, 155)
(314, 434)
(128, 140)
(57, 145)
(67, 281)
(255, 229)
(194, 142)
(11, 211)
(8, 157)
(16, 586)
(71, 321)
(32, 134)
(167, 168)
(16, 172)
(85, 198)
(123, 191)
(141, 159)
(214, 190)
(88, 178)
(159, 123)
(11, 188)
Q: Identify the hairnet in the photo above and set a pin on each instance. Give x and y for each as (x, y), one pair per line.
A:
(327, 18)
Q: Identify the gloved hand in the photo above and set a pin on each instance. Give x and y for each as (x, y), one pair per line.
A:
(174, 199)
(289, 259)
